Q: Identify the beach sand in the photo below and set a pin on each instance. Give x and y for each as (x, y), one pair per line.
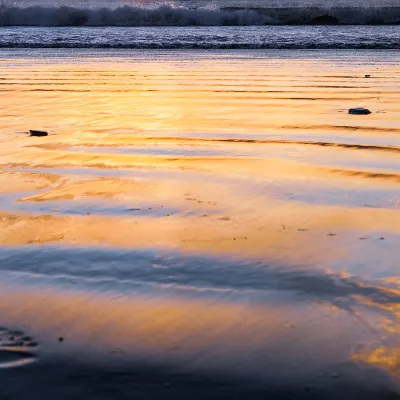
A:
(199, 224)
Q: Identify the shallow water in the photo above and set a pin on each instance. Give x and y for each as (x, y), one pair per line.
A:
(199, 224)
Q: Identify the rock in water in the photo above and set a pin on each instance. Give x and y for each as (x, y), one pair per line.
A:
(359, 111)
(325, 20)
(38, 133)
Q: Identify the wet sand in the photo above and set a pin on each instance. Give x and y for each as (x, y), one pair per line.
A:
(207, 222)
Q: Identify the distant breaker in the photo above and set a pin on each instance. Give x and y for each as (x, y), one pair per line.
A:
(329, 16)
(167, 15)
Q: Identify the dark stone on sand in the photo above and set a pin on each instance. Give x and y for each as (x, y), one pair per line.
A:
(368, 76)
(325, 20)
(61, 339)
(38, 133)
(359, 111)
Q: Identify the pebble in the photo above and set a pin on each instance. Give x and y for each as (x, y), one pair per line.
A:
(38, 133)
(359, 111)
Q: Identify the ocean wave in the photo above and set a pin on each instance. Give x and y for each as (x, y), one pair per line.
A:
(167, 15)
(161, 38)
(199, 46)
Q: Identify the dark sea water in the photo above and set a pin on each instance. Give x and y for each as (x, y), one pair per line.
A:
(197, 13)
(248, 37)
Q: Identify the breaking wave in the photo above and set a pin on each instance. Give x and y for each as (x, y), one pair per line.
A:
(167, 15)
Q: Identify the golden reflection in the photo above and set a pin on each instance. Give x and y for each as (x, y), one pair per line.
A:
(217, 165)
(207, 95)
(14, 181)
(206, 333)
(251, 159)
(384, 351)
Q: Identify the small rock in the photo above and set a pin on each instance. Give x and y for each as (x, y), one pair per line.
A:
(359, 111)
(331, 234)
(38, 133)
(325, 20)
(60, 339)
(381, 238)
(368, 76)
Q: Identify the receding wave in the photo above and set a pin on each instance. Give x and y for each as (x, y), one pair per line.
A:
(204, 274)
(166, 15)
